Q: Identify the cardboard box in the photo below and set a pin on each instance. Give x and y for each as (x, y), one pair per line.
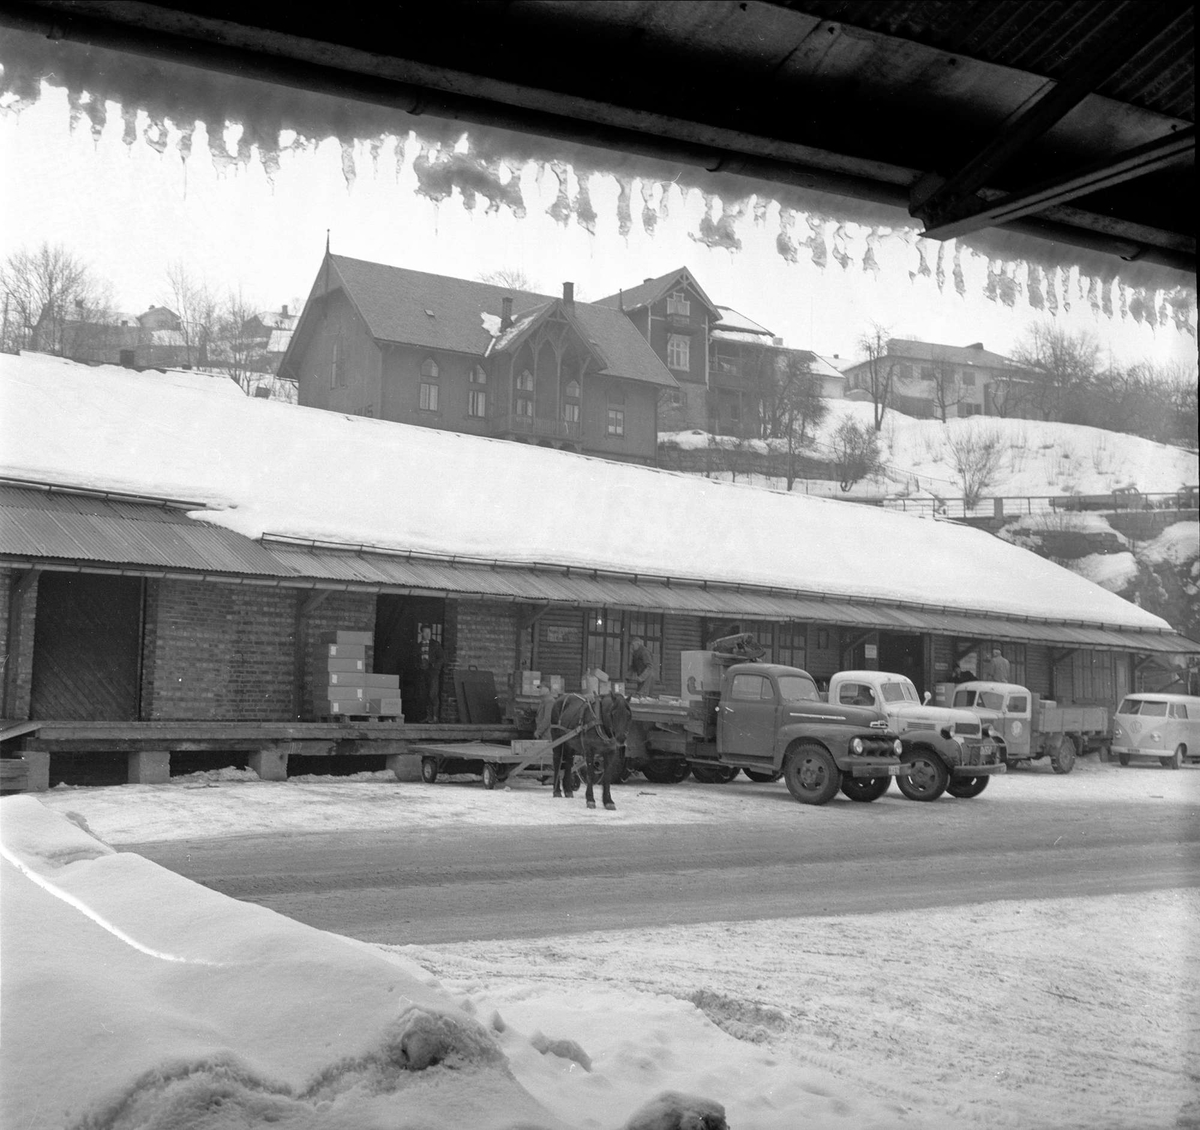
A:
(556, 684)
(346, 665)
(350, 692)
(529, 682)
(364, 639)
(346, 650)
(699, 672)
(364, 679)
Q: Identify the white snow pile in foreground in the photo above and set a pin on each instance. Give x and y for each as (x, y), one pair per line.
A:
(321, 475)
(136, 998)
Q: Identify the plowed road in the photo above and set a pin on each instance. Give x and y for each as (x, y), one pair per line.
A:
(429, 886)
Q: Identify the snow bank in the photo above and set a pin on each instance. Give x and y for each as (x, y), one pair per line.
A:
(1176, 545)
(310, 474)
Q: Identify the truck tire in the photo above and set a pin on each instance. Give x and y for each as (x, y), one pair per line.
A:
(865, 789)
(714, 774)
(929, 777)
(428, 770)
(1175, 761)
(1062, 756)
(666, 771)
(760, 777)
(1123, 758)
(490, 776)
(811, 774)
(966, 787)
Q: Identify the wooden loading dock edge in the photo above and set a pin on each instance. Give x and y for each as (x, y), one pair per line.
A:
(149, 745)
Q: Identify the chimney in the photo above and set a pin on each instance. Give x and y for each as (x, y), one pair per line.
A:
(569, 294)
(647, 280)
(284, 310)
(975, 345)
(505, 313)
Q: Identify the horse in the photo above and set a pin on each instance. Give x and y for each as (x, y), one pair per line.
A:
(605, 726)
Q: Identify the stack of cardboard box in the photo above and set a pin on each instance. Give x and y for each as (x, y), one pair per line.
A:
(352, 687)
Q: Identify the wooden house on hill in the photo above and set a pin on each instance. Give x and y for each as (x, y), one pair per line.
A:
(472, 357)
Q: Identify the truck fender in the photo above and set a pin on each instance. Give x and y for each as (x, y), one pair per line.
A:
(790, 737)
(945, 747)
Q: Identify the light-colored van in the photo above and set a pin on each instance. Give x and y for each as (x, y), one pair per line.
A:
(1166, 726)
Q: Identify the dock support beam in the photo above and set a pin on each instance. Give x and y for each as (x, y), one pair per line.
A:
(405, 766)
(150, 768)
(271, 764)
(37, 765)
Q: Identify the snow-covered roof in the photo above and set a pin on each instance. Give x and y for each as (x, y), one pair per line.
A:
(730, 319)
(258, 464)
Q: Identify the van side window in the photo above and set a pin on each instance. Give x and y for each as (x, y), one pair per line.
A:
(1018, 704)
(1178, 710)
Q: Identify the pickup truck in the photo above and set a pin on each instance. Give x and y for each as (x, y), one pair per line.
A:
(945, 748)
(1032, 727)
(768, 720)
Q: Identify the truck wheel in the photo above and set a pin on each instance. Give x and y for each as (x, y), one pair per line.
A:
(966, 787)
(928, 776)
(428, 770)
(1062, 757)
(811, 774)
(762, 778)
(865, 789)
(666, 771)
(1175, 761)
(714, 774)
(490, 776)
(1123, 758)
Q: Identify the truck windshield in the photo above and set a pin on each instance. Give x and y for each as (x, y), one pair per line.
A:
(989, 700)
(798, 688)
(898, 692)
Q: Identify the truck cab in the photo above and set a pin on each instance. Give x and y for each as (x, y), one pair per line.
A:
(1006, 709)
(770, 720)
(946, 748)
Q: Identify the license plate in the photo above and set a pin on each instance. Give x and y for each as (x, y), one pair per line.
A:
(893, 770)
(987, 749)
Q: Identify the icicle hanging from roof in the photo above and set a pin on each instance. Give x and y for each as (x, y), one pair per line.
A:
(486, 162)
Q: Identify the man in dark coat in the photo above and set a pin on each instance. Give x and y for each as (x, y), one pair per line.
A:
(430, 662)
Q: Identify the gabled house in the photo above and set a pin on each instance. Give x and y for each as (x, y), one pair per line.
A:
(675, 316)
(472, 357)
(932, 380)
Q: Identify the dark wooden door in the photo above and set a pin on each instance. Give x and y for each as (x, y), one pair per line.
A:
(87, 648)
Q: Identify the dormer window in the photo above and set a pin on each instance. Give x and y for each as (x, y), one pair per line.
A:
(524, 403)
(476, 394)
(571, 402)
(677, 303)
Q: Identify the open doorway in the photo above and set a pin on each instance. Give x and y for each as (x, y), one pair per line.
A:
(398, 622)
(904, 654)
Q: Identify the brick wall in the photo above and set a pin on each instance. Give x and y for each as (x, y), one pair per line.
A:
(477, 634)
(15, 689)
(218, 651)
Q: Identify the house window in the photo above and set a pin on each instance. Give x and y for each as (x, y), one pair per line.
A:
(571, 402)
(476, 394)
(677, 303)
(616, 422)
(927, 373)
(608, 634)
(678, 352)
(525, 394)
(430, 390)
(968, 379)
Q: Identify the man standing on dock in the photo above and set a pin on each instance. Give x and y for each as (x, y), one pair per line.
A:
(641, 669)
(430, 663)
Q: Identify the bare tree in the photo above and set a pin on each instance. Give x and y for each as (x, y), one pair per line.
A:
(947, 389)
(881, 369)
(514, 278)
(793, 408)
(1066, 365)
(237, 350)
(976, 454)
(196, 306)
(46, 289)
(855, 452)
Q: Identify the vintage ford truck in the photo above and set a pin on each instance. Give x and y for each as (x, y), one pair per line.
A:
(770, 721)
(1032, 727)
(945, 748)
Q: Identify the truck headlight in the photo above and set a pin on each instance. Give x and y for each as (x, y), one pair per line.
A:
(898, 746)
(856, 745)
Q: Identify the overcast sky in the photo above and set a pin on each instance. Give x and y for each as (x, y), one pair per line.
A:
(130, 210)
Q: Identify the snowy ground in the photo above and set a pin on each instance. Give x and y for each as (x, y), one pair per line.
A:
(133, 997)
